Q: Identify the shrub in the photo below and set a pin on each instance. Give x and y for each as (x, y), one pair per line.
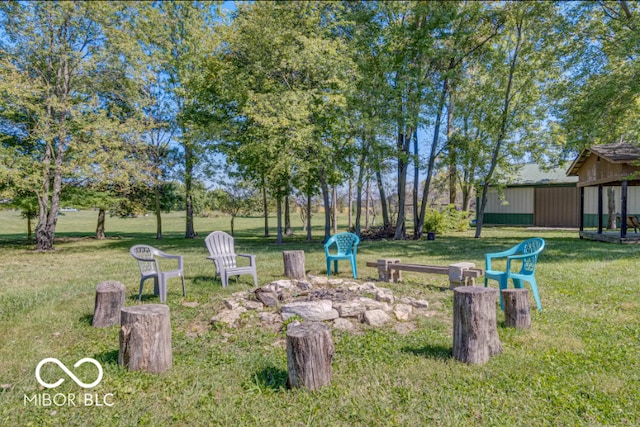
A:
(451, 219)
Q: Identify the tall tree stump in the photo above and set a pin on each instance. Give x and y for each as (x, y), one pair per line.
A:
(145, 338)
(109, 301)
(517, 313)
(309, 354)
(475, 333)
(294, 267)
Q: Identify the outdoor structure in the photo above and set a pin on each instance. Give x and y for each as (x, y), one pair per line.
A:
(534, 198)
(539, 198)
(609, 165)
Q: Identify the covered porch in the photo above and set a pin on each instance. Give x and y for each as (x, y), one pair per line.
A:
(608, 165)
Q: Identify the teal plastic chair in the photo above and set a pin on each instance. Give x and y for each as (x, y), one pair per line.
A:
(347, 247)
(523, 256)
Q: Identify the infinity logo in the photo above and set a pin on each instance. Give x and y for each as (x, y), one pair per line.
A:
(68, 372)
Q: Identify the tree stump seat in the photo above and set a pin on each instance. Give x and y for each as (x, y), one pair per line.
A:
(145, 338)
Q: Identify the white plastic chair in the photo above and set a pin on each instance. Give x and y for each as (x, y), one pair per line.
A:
(148, 261)
(222, 252)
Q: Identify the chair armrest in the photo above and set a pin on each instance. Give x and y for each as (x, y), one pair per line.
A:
(503, 254)
(520, 257)
(252, 258)
(180, 258)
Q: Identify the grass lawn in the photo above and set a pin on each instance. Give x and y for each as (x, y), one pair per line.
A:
(578, 365)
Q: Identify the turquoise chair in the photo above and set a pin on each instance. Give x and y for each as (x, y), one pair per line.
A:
(523, 256)
(347, 246)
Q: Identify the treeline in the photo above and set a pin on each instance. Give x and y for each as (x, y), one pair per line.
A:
(303, 98)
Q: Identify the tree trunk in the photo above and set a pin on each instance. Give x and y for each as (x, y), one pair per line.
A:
(294, 267)
(416, 182)
(158, 209)
(188, 181)
(475, 333)
(309, 354)
(309, 217)
(265, 209)
(367, 205)
(432, 160)
(350, 202)
(335, 209)
(29, 229)
(287, 217)
(504, 121)
(233, 217)
(453, 161)
(109, 301)
(360, 183)
(145, 338)
(279, 220)
(611, 208)
(403, 166)
(383, 199)
(517, 313)
(327, 206)
(100, 227)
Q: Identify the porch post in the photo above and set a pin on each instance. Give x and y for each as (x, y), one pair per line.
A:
(600, 209)
(623, 210)
(581, 220)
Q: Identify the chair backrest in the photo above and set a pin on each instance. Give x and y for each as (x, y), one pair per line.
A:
(144, 254)
(221, 244)
(347, 243)
(533, 247)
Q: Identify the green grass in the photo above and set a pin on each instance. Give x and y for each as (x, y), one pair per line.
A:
(578, 365)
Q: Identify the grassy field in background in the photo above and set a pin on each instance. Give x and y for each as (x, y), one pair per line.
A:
(578, 365)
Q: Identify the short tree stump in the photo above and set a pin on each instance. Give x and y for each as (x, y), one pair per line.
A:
(517, 313)
(145, 338)
(309, 354)
(475, 333)
(294, 267)
(109, 301)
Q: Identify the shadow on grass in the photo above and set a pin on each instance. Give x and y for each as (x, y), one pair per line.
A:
(271, 378)
(87, 318)
(437, 352)
(109, 357)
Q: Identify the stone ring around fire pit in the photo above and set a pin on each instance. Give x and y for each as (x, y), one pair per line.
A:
(344, 302)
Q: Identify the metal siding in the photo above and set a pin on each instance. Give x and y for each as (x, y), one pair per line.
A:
(507, 219)
(591, 200)
(518, 201)
(556, 207)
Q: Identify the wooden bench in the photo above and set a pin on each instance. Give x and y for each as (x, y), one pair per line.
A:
(460, 274)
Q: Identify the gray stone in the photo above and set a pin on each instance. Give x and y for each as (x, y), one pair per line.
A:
(270, 317)
(372, 304)
(319, 280)
(253, 305)
(376, 317)
(304, 285)
(335, 282)
(314, 311)
(284, 284)
(267, 297)
(420, 303)
(350, 308)
(384, 295)
(231, 303)
(343, 324)
(228, 317)
(402, 312)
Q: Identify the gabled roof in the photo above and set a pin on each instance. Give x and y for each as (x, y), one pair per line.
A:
(532, 174)
(613, 153)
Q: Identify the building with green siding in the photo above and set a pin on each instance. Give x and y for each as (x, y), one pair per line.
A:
(540, 198)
